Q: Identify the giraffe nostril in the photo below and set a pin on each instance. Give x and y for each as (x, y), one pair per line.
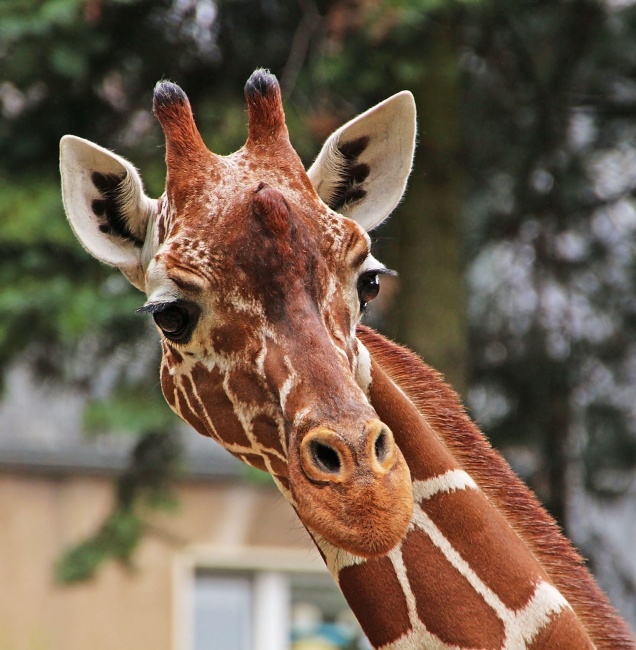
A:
(381, 447)
(325, 457)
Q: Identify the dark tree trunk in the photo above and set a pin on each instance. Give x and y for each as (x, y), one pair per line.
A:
(429, 314)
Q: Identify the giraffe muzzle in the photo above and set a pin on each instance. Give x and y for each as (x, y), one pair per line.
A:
(355, 491)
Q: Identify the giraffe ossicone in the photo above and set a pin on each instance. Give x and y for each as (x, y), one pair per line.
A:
(256, 274)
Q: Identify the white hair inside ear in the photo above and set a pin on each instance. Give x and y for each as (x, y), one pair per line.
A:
(363, 167)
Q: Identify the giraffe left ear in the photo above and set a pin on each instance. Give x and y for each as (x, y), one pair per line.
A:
(106, 205)
(362, 169)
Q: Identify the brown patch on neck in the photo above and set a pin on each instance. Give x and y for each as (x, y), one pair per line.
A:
(479, 533)
(213, 398)
(411, 432)
(466, 621)
(375, 595)
(189, 409)
(266, 433)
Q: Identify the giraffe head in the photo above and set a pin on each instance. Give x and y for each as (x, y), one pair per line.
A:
(256, 274)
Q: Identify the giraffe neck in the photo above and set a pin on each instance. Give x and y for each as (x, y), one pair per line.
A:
(470, 573)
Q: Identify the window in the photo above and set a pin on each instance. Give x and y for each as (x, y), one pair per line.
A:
(271, 610)
(222, 612)
(320, 616)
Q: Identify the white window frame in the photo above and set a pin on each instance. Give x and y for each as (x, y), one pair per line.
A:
(269, 567)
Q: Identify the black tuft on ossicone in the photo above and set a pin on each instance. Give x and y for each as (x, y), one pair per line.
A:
(261, 82)
(172, 108)
(168, 94)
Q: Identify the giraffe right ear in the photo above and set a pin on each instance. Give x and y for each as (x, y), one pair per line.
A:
(363, 167)
(106, 205)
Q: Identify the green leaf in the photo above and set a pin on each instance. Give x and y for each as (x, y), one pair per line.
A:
(117, 538)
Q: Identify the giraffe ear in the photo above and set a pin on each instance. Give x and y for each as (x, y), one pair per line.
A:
(363, 167)
(106, 205)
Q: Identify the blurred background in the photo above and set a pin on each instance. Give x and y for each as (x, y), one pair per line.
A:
(515, 247)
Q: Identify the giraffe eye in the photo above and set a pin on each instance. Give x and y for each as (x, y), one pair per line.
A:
(175, 319)
(368, 288)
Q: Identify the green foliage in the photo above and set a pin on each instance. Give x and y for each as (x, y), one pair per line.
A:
(257, 476)
(387, 51)
(404, 18)
(32, 212)
(22, 19)
(132, 407)
(117, 539)
(54, 296)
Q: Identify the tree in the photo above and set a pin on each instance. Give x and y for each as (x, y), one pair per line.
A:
(551, 272)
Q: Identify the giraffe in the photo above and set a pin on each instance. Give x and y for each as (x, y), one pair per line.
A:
(257, 273)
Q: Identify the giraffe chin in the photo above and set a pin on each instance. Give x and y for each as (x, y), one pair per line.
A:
(364, 515)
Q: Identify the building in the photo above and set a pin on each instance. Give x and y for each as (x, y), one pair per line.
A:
(231, 569)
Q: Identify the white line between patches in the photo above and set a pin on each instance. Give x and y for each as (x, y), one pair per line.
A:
(288, 385)
(426, 524)
(526, 623)
(454, 479)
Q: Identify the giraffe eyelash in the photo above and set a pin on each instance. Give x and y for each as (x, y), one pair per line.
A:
(155, 307)
(384, 271)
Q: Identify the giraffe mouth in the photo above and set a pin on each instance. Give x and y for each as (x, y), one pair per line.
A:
(356, 495)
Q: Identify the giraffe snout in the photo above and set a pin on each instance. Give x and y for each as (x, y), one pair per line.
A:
(327, 456)
(353, 490)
